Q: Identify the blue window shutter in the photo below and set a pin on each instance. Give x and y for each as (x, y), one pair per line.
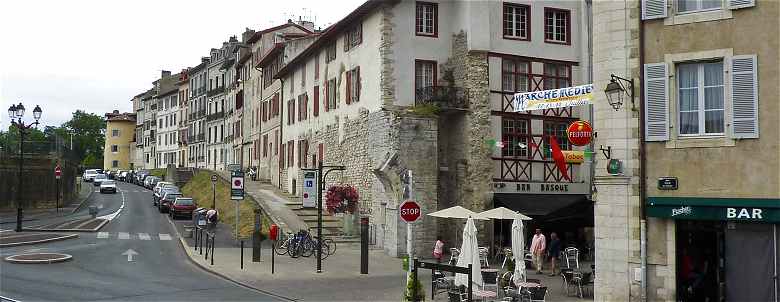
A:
(656, 87)
(653, 9)
(744, 96)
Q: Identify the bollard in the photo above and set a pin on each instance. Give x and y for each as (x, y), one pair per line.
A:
(364, 245)
(212, 249)
(242, 254)
(257, 237)
(273, 243)
(207, 246)
(414, 278)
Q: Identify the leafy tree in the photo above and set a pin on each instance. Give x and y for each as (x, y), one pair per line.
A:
(88, 131)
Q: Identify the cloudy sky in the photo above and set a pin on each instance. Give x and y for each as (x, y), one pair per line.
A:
(96, 55)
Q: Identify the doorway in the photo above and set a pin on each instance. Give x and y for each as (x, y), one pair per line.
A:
(700, 260)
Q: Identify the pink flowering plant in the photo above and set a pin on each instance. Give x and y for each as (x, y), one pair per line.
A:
(341, 199)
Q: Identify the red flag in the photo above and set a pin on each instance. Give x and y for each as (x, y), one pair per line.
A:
(557, 155)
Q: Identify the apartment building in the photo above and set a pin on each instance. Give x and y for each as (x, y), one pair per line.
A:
(705, 83)
(182, 117)
(196, 126)
(216, 127)
(268, 48)
(120, 141)
(357, 97)
(137, 154)
(167, 119)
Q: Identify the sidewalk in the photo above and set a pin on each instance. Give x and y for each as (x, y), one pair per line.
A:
(297, 278)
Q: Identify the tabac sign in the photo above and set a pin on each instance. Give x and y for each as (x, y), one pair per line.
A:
(553, 98)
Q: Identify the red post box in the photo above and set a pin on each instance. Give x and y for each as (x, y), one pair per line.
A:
(274, 232)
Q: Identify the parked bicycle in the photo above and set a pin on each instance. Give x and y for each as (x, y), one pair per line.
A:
(303, 244)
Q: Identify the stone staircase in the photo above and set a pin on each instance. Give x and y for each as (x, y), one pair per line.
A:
(331, 225)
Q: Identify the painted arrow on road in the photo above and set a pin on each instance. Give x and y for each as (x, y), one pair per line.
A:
(130, 253)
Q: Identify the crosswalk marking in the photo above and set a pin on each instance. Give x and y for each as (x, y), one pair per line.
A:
(123, 235)
(165, 237)
(102, 235)
(144, 236)
(133, 236)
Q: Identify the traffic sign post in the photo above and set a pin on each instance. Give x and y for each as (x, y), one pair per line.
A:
(214, 189)
(237, 192)
(310, 189)
(57, 176)
(409, 211)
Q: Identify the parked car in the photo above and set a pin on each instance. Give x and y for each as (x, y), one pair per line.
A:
(154, 182)
(108, 186)
(163, 191)
(89, 175)
(165, 202)
(98, 178)
(148, 181)
(156, 190)
(182, 206)
(139, 177)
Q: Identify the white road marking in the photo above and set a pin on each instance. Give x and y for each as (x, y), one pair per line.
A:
(102, 235)
(144, 236)
(115, 214)
(123, 235)
(165, 237)
(97, 191)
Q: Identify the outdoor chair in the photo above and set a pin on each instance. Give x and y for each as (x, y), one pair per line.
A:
(454, 253)
(537, 294)
(490, 280)
(582, 280)
(507, 256)
(483, 256)
(572, 255)
(567, 276)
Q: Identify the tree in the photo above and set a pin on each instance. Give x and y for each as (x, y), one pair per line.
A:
(88, 132)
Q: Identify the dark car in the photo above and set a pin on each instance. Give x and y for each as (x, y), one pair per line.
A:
(167, 200)
(182, 207)
(159, 192)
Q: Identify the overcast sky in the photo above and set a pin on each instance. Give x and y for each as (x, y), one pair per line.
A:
(96, 55)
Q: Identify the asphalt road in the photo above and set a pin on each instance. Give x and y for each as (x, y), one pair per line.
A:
(100, 270)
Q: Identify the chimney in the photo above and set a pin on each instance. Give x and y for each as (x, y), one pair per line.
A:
(307, 25)
(116, 111)
(165, 74)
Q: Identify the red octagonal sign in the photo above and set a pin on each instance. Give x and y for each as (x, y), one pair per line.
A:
(410, 211)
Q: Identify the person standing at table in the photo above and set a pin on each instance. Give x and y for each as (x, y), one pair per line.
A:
(554, 251)
(538, 245)
(438, 249)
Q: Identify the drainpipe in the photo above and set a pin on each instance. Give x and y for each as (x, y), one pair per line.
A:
(279, 143)
(642, 166)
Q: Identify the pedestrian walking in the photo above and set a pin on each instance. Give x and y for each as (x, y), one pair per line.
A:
(554, 251)
(438, 249)
(538, 245)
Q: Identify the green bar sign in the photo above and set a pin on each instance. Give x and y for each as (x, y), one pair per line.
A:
(730, 209)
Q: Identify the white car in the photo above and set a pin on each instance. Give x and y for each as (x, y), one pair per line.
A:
(89, 174)
(108, 186)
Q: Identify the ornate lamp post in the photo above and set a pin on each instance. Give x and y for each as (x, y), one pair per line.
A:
(15, 113)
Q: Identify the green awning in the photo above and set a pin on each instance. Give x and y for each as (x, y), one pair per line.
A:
(731, 209)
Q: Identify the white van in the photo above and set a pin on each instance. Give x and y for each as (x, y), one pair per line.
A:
(89, 174)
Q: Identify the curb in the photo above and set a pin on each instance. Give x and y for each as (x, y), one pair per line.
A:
(218, 274)
(81, 204)
(47, 261)
(40, 241)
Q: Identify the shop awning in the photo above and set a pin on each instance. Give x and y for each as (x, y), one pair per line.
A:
(537, 204)
(731, 209)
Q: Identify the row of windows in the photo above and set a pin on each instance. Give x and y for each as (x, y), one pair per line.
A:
(352, 92)
(516, 22)
(169, 121)
(516, 136)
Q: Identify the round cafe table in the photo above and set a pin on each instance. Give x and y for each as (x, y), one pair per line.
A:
(528, 284)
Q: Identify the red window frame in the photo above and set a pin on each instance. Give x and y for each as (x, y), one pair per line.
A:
(504, 21)
(316, 100)
(568, 25)
(290, 153)
(515, 74)
(321, 153)
(419, 6)
(317, 66)
(265, 145)
(556, 76)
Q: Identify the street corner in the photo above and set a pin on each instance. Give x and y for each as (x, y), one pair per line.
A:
(78, 225)
(38, 258)
(9, 239)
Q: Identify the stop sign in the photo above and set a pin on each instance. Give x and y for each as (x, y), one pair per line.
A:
(57, 172)
(409, 211)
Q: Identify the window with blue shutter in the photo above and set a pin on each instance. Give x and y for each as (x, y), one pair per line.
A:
(744, 96)
(656, 83)
(653, 9)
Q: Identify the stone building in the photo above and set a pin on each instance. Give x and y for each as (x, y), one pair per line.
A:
(215, 120)
(182, 118)
(137, 154)
(120, 141)
(167, 121)
(196, 118)
(424, 86)
(703, 105)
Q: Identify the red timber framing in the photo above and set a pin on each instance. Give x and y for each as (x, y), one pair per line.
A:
(514, 166)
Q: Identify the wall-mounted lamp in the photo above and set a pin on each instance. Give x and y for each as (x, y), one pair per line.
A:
(615, 90)
(607, 152)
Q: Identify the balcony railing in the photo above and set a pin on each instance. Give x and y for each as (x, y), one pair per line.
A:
(191, 138)
(215, 116)
(445, 97)
(201, 137)
(215, 91)
(201, 158)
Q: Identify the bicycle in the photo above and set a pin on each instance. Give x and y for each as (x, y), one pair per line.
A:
(281, 245)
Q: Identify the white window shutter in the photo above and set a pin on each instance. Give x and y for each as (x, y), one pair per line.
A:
(655, 9)
(656, 94)
(744, 96)
(737, 4)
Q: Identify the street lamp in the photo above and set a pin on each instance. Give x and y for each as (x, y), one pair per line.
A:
(15, 113)
(321, 187)
(615, 90)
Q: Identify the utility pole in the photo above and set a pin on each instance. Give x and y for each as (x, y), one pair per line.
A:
(408, 194)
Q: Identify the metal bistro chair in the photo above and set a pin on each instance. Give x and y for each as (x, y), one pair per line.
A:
(454, 254)
(483, 256)
(537, 294)
(507, 256)
(572, 255)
